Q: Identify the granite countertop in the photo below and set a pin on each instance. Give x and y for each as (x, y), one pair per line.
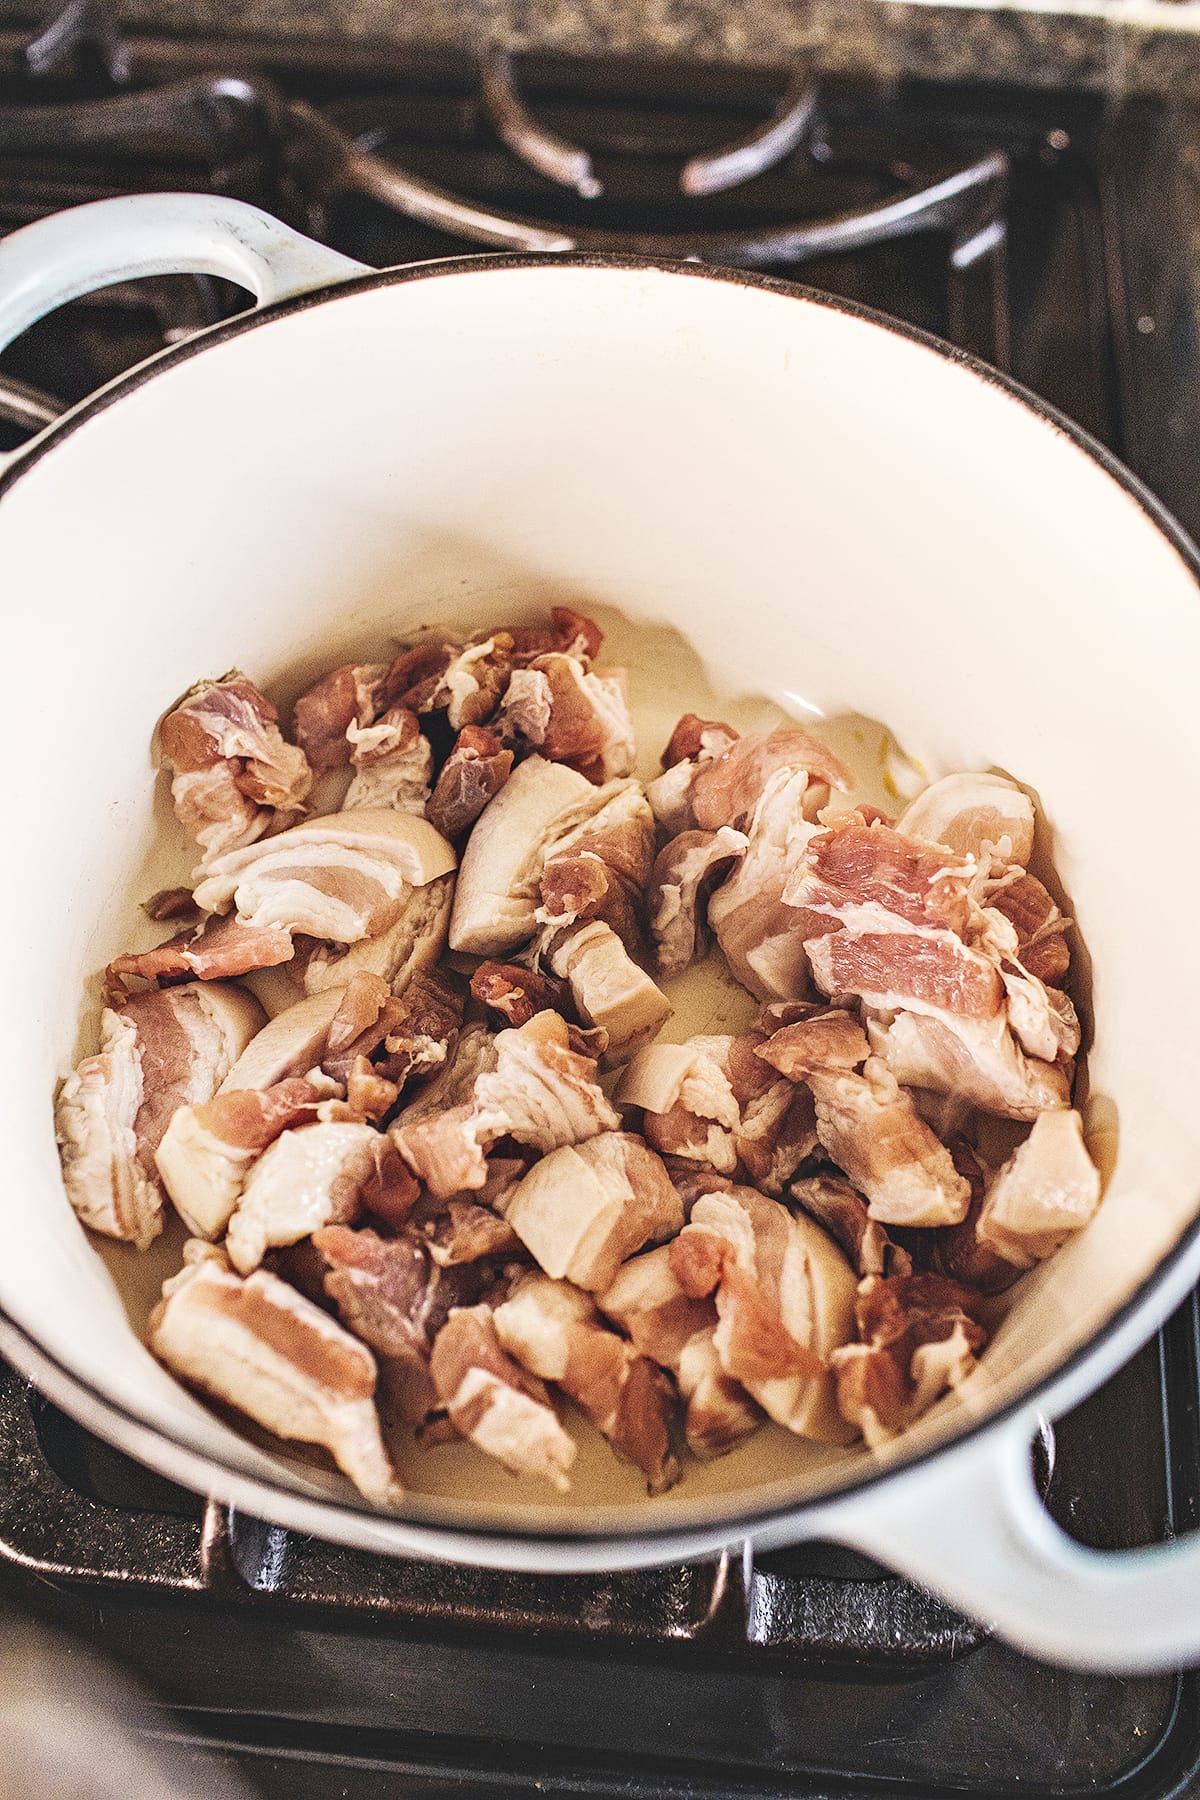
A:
(1121, 45)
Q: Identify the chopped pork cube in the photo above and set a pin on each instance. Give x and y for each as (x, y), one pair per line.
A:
(890, 970)
(555, 1331)
(414, 676)
(207, 1150)
(348, 696)
(676, 1330)
(216, 949)
(572, 633)
(344, 877)
(463, 1231)
(685, 873)
(471, 685)
(762, 937)
(95, 1115)
(1047, 1190)
(867, 875)
(359, 1005)
(370, 1097)
(292, 1043)
(599, 868)
(473, 773)
(539, 1091)
(390, 1294)
(232, 771)
(571, 715)
(729, 789)
(493, 1401)
(657, 1315)
(409, 947)
(720, 1413)
(495, 905)
(785, 1301)
(413, 1032)
(689, 1106)
(583, 1209)
(1039, 926)
(843, 1212)
(826, 1037)
(957, 1012)
(266, 1350)
(713, 1101)
(867, 1123)
(1043, 1020)
(393, 763)
(919, 1335)
(777, 1126)
(983, 816)
(978, 1062)
(697, 740)
(608, 989)
(958, 1250)
(517, 993)
(312, 1175)
(425, 1037)
(579, 887)
(693, 743)
(162, 1050)
(407, 1035)
(453, 1081)
(869, 1126)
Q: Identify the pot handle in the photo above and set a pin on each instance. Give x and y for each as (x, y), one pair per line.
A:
(970, 1525)
(57, 259)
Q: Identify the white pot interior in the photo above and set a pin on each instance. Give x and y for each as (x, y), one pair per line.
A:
(825, 512)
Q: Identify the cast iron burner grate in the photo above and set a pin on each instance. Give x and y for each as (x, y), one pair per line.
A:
(1028, 228)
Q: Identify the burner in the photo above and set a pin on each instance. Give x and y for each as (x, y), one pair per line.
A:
(83, 30)
(221, 117)
(760, 149)
(333, 163)
(815, 187)
(27, 406)
(710, 172)
(543, 150)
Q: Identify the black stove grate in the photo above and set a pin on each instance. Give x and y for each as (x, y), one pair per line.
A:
(809, 1673)
(891, 200)
(1051, 248)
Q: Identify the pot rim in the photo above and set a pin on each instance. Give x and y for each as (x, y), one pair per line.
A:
(129, 1430)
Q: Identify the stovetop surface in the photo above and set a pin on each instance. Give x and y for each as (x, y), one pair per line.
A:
(318, 1671)
(1031, 229)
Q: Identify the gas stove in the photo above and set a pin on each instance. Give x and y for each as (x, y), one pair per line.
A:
(1037, 230)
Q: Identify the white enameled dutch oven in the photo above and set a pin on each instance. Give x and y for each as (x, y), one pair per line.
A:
(830, 509)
